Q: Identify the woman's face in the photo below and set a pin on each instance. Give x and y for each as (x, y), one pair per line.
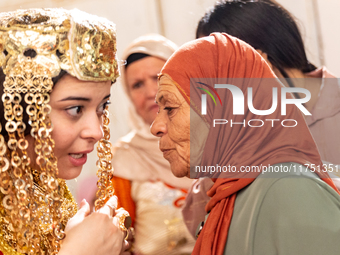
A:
(77, 109)
(172, 125)
(141, 79)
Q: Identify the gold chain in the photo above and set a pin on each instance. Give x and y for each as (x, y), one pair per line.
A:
(32, 216)
(105, 171)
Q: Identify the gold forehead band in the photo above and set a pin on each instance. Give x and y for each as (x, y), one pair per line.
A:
(82, 44)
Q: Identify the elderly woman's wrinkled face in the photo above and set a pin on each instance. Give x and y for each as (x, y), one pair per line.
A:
(172, 125)
(141, 80)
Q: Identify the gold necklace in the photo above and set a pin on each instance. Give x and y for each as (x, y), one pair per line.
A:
(44, 211)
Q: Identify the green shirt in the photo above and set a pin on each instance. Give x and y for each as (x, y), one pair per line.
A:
(293, 213)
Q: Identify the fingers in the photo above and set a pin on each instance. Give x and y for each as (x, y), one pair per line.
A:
(124, 218)
(82, 213)
(126, 248)
(117, 222)
(84, 208)
(112, 202)
(126, 245)
(82, 203)
(109, 207)
(131, 234)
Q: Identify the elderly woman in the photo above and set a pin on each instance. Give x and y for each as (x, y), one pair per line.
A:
(257, 23)
(292, 211)
(142, 179)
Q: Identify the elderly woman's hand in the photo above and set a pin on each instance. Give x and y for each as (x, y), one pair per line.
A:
(96, 233)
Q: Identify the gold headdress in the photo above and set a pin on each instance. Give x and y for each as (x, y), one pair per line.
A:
(35, 45)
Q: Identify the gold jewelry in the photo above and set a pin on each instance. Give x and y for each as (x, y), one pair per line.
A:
(105, 171)
(124, 220)
(35, 45)
(82, 44)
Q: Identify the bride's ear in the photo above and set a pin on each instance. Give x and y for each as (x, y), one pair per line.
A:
(265, 56)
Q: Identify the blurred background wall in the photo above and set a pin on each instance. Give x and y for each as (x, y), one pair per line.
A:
(318, 20)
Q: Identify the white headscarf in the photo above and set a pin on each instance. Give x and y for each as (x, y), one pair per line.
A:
(136, 156)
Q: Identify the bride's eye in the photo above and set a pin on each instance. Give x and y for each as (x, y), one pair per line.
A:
(74, 110)
(101, 108)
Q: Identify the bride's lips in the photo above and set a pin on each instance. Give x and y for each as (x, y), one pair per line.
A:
(79, 158)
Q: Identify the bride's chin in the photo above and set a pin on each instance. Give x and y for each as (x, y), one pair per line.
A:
(69, 174)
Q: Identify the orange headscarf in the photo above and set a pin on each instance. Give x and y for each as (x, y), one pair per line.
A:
(223, 56)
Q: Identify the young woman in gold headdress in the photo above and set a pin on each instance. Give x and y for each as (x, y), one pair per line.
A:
(57, 68)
